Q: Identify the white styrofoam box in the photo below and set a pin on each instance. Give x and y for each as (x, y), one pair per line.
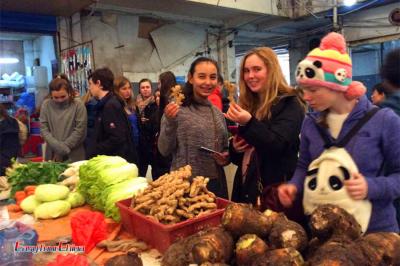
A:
(5, 76)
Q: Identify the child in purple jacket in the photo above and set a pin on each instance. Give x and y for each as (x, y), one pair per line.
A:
(339, 103)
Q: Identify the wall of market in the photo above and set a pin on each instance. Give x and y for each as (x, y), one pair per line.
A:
(136, 49)
(130, 46)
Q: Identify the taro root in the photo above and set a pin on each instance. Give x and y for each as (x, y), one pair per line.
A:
(341, 251)
(313, 245)
(330, 221)
(241, 219)
(213, 264)
(129, 259)
(280, 257)
(248, 248)
(213, 245)
(380, 248)
(288, 234)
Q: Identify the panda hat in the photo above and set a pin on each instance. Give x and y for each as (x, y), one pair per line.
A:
(330, 66)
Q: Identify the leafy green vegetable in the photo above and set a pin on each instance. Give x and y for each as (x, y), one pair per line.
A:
(121, 191)
(29, 204)
(33, 173)
(75, 199)
(107, 179)
(51, 192)
(52, 209)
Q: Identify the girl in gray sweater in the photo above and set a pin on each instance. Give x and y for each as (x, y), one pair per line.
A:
(197, 124)
(63, 123)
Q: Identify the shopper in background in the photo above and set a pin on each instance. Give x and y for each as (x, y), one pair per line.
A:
(63, 123)
(378, 94)
(112, 131)
(148, 124)
(269, 115)
(123, 89)
(157, 97)
(390, 73)
(162, 164)
(216, 96)
(166, 81)
(339, 104)
(90, 103)
(9, 140)
(195, 124)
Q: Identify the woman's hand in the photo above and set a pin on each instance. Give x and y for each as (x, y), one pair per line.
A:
(221, 158)
(171, 110)
(239, 144)
(357, 187)
(238, 114)
(287, 194)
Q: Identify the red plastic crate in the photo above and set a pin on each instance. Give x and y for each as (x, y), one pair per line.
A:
(161, 236)
(36, 159)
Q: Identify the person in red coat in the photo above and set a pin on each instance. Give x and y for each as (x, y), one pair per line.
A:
(216, 96)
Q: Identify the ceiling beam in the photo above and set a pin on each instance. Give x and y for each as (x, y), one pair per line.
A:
(62, 8)
(255, 6)
(158, 14)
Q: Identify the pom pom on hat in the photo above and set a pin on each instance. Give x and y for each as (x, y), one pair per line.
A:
(333, 41)
(355, 90)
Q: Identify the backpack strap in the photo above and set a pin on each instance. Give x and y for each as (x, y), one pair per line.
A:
(343, 142)
(327, 140)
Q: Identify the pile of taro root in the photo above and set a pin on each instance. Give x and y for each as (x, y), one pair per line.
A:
(249, 237)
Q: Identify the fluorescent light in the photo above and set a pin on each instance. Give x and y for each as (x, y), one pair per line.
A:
(8, 60)
(349, 2)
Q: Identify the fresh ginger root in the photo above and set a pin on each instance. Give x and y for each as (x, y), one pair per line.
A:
(231, 88)
(172, 198)
(177, 95)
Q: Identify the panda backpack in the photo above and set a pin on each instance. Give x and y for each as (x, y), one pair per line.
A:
(325, 176)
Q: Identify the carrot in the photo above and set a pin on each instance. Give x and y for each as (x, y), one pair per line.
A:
(20, 195)
(30, 192)
(13, 208)
(29, 188)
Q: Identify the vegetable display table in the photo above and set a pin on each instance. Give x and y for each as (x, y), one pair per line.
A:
(49, 230)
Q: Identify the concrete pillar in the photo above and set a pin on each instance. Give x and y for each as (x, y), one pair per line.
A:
(226, 56)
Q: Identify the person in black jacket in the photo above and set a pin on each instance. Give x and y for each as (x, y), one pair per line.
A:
(162, 164)
(148, 124)
(269, 115)
(9, 141)
(112, 131)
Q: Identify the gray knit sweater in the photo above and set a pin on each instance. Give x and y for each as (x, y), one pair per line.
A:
(63, 127)
(192, 128)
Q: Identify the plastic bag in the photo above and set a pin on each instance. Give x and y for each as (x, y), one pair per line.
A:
(27, 100)
(70, 259)
(88, 229)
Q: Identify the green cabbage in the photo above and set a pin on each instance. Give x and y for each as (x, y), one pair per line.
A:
(121, 191)
(51, 192)
(53, 209)
(98, 177)
(29, 204)
(75, 199)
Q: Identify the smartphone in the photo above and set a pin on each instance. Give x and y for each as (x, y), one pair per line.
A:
(207, 150)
